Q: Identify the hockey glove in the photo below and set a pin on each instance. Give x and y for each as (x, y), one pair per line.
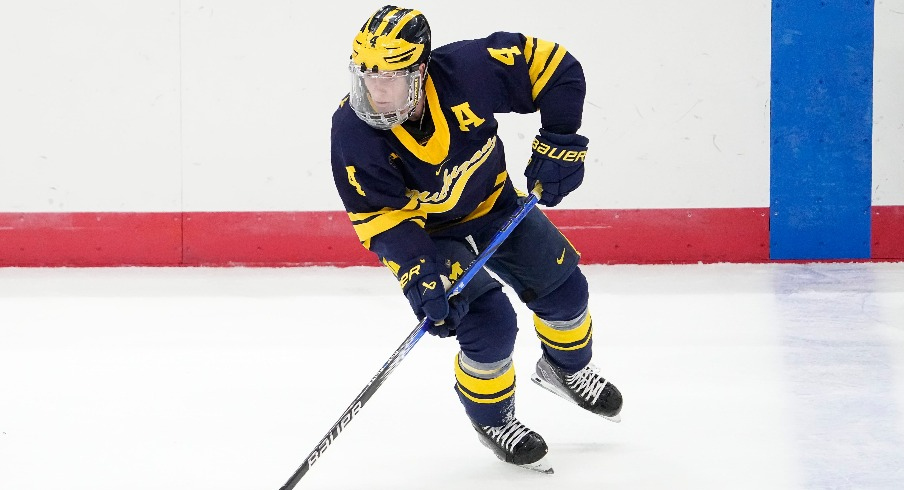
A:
(458, 308)
(424, 284)
(557, 162)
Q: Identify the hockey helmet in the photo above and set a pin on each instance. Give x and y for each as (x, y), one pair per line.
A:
(387, 54)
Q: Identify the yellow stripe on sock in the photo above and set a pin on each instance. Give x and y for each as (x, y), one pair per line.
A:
(571, 339)
(485, 390)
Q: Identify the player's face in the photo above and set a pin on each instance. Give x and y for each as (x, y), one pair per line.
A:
(388, 90)
(385, 99)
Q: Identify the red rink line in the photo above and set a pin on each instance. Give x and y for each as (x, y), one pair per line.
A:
(270, 239)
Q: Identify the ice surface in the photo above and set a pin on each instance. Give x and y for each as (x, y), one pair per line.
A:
(735, 376)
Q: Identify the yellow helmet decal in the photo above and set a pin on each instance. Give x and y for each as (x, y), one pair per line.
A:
(378, 45)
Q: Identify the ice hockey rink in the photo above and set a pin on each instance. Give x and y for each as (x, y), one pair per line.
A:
(735, 376)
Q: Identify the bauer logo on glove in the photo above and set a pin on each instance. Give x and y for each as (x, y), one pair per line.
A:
(557, 162)
(556, 153)
(412, 272)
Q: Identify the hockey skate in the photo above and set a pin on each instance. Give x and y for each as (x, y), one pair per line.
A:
(585, 388)
(516, 444)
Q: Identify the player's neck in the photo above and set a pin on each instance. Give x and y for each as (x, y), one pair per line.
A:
(418, 112)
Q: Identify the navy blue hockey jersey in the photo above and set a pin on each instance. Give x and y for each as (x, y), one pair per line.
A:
(399, 192)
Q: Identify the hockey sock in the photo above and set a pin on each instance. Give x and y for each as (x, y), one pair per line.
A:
(486, 390)
(567, 343)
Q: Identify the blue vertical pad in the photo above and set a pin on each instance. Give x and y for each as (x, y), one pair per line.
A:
(821, 129)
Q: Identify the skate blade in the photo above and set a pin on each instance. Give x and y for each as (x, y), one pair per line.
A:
(554, 389)
(539, 466)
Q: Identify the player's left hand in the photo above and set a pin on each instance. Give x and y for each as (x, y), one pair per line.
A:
(557, 162)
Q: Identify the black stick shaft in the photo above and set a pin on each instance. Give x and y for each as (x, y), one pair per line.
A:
(358, 403)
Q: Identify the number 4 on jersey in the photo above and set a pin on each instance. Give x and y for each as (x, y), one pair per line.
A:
(505, 55)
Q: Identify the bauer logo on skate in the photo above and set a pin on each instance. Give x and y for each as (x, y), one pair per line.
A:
(337, 429)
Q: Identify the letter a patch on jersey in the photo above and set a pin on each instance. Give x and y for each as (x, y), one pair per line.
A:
(466, 116)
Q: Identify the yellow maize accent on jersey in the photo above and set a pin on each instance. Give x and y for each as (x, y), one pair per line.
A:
(487, 205)
(394, 267)
(437, 148)
(544, 59)
(490, 390)
(351, 179)
(572, 339)
(369, 225)
(528, 49)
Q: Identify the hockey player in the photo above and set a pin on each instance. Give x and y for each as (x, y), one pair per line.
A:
(422, 174)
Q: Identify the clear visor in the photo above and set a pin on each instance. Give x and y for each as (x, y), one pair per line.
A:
(384, 99)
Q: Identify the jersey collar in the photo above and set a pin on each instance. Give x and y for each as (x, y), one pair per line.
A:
(437, 148)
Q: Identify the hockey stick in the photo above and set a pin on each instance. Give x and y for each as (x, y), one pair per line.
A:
(352, 411)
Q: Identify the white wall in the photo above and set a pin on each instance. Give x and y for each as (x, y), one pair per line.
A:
(89, 106)
(888, 104)
(170, 105)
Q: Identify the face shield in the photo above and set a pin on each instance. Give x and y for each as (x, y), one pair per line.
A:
(384, 99)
